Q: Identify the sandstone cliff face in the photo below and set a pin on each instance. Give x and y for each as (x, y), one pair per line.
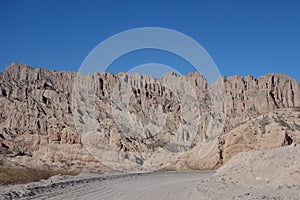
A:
(247, 96)
(174, 122)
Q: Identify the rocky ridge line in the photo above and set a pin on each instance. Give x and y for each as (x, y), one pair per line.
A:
(37, 126)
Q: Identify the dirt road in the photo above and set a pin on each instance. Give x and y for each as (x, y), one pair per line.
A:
(193, 185)
(156, 186)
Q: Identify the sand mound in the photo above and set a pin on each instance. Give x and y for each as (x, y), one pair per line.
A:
(273, 168)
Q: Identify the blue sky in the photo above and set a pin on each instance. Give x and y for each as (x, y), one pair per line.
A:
(242, 37)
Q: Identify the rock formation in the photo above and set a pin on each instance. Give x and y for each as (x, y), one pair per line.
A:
(48, 120)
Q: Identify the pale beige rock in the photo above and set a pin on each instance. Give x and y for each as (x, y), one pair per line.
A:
(274, 129)
(37, 118)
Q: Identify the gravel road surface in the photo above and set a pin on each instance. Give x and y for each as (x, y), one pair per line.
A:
(156, 186)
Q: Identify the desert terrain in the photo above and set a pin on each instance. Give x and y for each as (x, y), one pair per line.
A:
(262, 174)
(132, 136)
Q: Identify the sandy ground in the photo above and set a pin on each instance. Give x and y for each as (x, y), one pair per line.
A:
(153, 186)
(163, 185)
(265, 174)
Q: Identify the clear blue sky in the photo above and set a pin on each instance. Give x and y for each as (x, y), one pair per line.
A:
(243, 37)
